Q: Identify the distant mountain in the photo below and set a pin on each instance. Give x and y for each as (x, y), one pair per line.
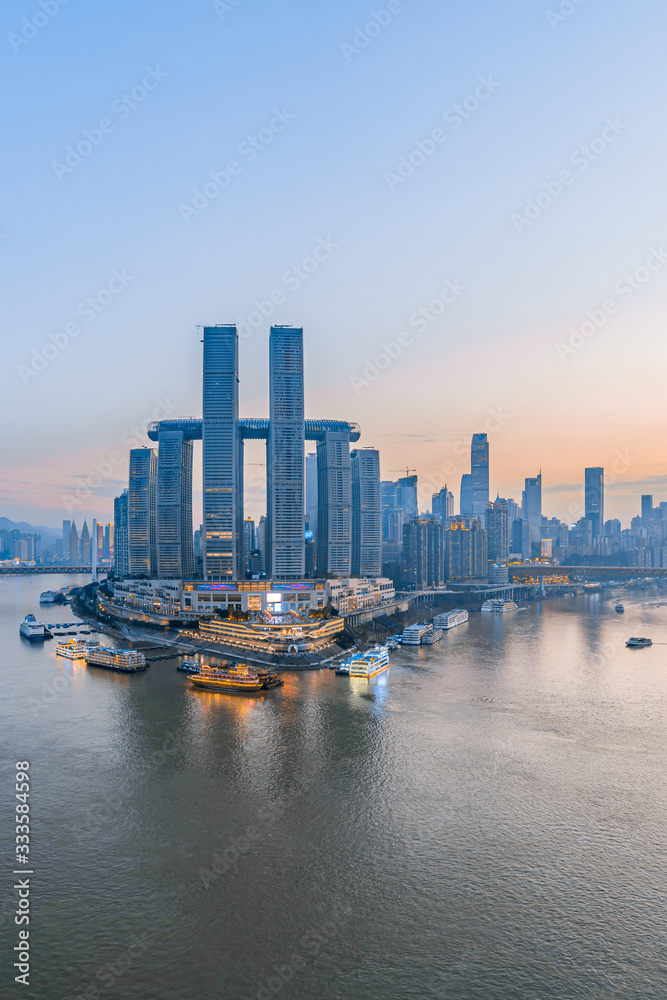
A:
(49, 535)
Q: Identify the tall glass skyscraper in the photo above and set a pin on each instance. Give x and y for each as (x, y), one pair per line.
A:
(285, 456)
(406, 496)
(121, 541)
(141, 505)
(465, 506)
(531, 506)
(366, 513)
(175, 550)
(334, 534)
(222, 456)
(594, 498)
(479, 470)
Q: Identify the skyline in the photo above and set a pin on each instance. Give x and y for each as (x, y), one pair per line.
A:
(338, 122)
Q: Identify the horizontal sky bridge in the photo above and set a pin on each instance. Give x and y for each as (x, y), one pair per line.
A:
(254, 429)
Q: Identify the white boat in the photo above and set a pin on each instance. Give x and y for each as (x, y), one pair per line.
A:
(450, 619)
(435, 635)
(498, 605)
(31, 629)
(369, 664)
(128, 661)
(47, 597)
(74, 649)
(413, 634)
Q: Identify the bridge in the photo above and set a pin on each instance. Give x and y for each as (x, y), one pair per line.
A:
(253, 429)
(36, 570)
(526, 571)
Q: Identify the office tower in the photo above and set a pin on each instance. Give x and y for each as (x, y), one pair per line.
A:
(66, 530)
(465, 504)
(141, 507)
(249, 537)
(514, 509)
(85, 545)
(531, 506)
(594, 498)
(647, 509)
(612, 529)
(466, 555)
(442, 505)
(285, 456)
(73, 545)
(174, 538)
(388, 505)
(498, 531)
(334, 533)
(222, 455)
(107, 543)
(261, 541)
(366, 513)
(521, 538)
(423, 553)
(311, 491)
(406, 496)
(479, 470)
(121, 538)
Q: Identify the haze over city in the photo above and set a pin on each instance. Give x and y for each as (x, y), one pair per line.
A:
(334, 145)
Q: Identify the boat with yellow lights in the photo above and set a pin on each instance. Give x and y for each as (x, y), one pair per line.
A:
(235, 678)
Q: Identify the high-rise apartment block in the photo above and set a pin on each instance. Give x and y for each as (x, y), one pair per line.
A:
(366, 513)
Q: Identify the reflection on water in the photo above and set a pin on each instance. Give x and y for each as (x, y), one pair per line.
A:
(489, 816)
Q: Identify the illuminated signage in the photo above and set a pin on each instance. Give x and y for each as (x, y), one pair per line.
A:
(274, 598)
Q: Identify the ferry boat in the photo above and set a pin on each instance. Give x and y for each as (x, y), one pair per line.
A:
(638, 643)
(189, 666)
(235, 678)
(73, 649)
(31, 629)
(450, 619)
(619, 609)
(435, 635)
(47, 597)
(127, 661)
(343, 669)
(369, 664)
(413, 634)
(498, 605)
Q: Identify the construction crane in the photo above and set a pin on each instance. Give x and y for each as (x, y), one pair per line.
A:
(407, 471)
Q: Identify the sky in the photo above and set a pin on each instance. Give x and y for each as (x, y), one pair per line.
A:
(463, 205)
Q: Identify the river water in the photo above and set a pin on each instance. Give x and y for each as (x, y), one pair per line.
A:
(488, 819)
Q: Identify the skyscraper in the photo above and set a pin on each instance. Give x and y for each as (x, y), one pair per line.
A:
(647, 509)
(594, 499)
(73, 545)
(531, 506)
(479, 470)
(498, 531)
(466, 556)
(222, 454)
(85, 545)
(311, 491)
(465, 506)
(406, 496)
(366, 513)
(442, 505)
(334, 533)
(175, 551)
(423, 553)
(141, 507)
(121, 540)
(285, 473)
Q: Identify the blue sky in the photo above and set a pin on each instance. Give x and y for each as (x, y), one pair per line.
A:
(221, 76)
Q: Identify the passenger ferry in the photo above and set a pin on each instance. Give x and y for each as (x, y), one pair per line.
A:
(435, 635)
(413, 634)
(450, 619)
(31, 629)
(235, 678)
(371, 663)
(638, 643)
(73, 649)
(498, 605)
(127, 661)
(47, 597)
